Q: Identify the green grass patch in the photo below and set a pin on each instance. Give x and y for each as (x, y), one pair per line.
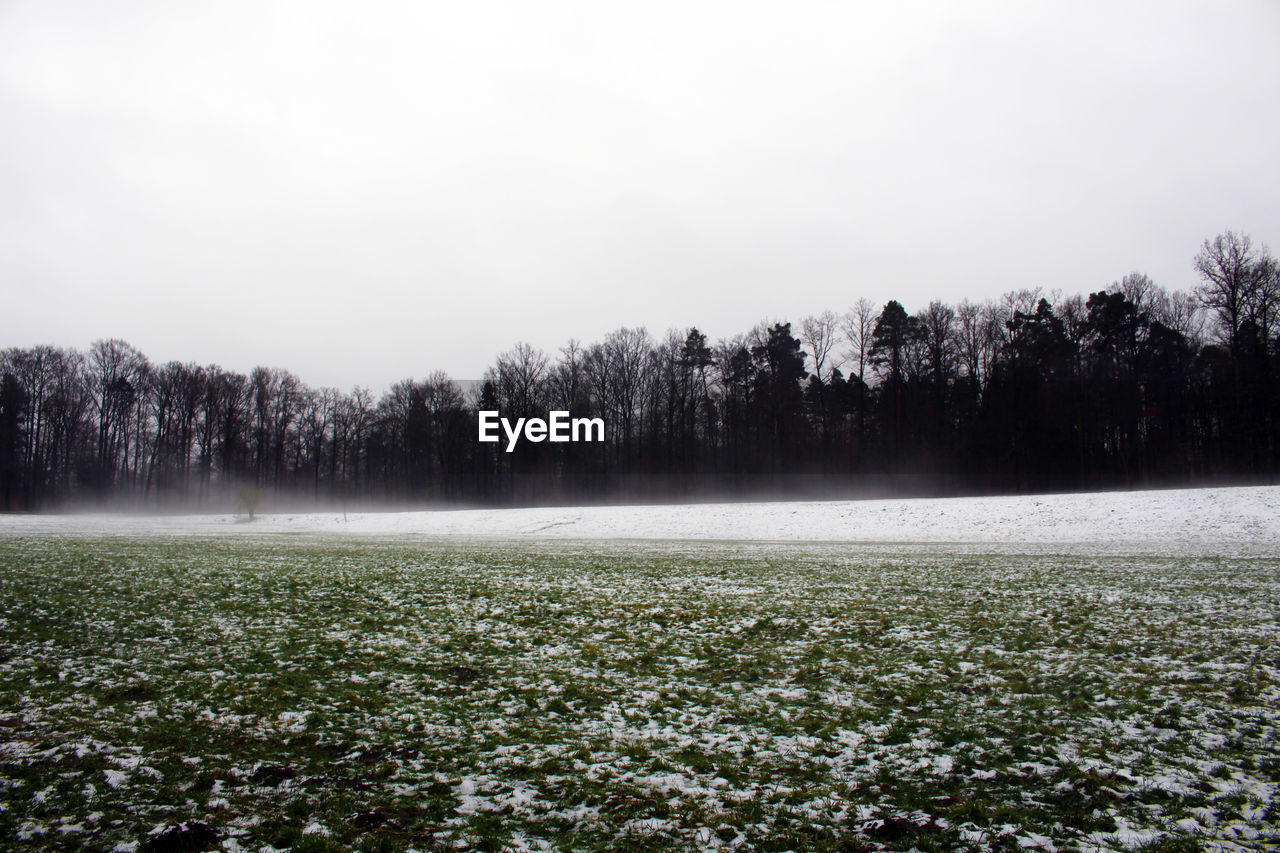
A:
(323, 694)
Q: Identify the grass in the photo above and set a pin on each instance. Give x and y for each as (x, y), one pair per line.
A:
(321, 694)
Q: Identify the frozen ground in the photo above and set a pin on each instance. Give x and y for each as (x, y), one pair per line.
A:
(1055, 672)
(1224, 520)
(323, 693)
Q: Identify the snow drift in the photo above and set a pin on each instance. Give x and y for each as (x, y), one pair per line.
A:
(1233, 519)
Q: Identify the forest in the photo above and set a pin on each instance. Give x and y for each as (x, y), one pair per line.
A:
(1128, 386)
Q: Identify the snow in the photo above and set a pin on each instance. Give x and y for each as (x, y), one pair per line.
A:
(1235, 519)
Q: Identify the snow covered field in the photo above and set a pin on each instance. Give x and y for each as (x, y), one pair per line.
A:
(1226, 520)
(1096, 672)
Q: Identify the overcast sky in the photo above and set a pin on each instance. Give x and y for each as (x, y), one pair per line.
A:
(366, 192)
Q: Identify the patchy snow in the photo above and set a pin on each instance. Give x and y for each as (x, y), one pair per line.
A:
(1237, 519)
(646, 687)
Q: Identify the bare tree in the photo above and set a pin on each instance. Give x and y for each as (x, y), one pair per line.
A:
(190, 392)
(115, 374)
(1074, 313)
(53, 418)
(818, 331)
(1139, 289)
(567, 380)
(937, 333)
(859, 329)
(1181, 312)
(351, 419)
(444, 403)
(1264, 302)
(518, 377)
(1232, 272)
(318, 413)
(617, 368)
(971, 341)
(220, 429)
(162, 404)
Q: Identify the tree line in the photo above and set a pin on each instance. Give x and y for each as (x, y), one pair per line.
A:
(1132, 384)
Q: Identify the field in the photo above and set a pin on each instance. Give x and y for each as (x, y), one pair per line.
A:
(312, 692)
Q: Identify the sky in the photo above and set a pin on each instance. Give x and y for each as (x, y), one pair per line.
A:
(363, 193)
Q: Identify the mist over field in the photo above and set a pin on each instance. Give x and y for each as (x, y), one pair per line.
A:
(1172, 521)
